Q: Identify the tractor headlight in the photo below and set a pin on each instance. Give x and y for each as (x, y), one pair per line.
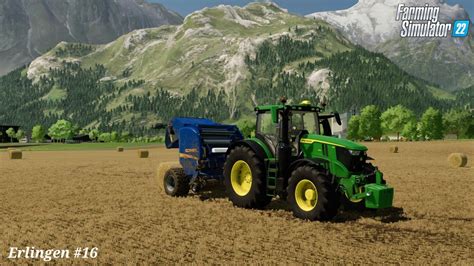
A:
(356, 153)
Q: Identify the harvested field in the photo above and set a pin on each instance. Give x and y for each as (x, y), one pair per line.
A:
(109, 200)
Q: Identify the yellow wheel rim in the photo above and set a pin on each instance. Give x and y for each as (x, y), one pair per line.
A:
(358, 190)
(306, 195)
(241, 178)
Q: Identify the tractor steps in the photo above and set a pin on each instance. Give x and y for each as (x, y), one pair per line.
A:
(272, 175)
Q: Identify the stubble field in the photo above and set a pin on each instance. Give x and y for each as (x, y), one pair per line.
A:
(109, 200)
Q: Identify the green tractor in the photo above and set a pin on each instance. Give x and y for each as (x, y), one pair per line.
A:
(295, 157)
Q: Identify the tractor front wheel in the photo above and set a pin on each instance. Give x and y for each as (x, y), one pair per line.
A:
(175, 182)
(352, 205)
(311, 194)
(244, 178)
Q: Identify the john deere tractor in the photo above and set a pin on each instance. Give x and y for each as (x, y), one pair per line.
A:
(293, 156)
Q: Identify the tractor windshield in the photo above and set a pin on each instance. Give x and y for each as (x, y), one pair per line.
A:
(304, 120)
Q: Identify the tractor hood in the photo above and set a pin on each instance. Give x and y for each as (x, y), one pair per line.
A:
(311, 138)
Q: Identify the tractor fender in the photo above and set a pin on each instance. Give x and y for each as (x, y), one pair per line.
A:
(315, 162)
(254, 146)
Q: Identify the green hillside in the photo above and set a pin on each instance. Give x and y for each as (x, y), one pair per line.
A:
(219, 64)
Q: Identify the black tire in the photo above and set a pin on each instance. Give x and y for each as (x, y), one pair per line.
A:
(176, 183)
(256, 197)
(327, 202)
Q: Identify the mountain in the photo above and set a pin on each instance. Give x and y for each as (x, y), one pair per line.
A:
(448, 62)
(28, 28)
(219, 63)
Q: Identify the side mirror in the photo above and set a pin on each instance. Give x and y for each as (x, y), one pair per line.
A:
(338, 118)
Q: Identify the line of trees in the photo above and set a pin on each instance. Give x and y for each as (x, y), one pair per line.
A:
(14, 135)
(371, 123)
(64, 130)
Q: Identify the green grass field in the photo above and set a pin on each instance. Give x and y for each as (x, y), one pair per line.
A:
(77, 147)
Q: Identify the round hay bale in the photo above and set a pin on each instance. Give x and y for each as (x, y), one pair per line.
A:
(394, 149)
(15, 154)
(143, 153)
(120, 149)
(161, 171)
(457, 159)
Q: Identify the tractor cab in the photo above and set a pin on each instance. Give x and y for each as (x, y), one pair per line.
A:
(301, 119)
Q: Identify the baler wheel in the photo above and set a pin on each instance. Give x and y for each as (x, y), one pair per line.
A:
(245, 180)
(311, 194)
(176, 183)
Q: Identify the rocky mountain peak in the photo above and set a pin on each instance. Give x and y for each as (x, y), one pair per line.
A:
(372, 24)
(30, 28)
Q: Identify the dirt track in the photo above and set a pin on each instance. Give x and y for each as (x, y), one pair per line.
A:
(109, 200)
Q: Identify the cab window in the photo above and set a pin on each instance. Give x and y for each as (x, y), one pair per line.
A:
(265, 124)
(304, 121)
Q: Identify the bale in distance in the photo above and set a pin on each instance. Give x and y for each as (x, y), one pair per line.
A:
(143, 153)
(457, 159)
(15, 154)
(120, 149)
(394, 149)
(161, 171)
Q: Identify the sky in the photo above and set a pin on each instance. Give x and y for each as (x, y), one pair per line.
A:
(302, 7)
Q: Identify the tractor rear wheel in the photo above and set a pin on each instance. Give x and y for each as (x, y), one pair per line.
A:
(245, 180)
(311, 194)
(175, 183)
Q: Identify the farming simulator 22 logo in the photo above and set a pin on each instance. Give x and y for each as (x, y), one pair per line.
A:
(423, 21)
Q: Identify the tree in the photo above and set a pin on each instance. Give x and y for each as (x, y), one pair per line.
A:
(410, 130)
(470, 129)
(20, 134)
(114, 137)
(456, 122)
(37, 133)
(11, 133)
(94, 134)
(76, 129)
(125, 136)
(353, 128)
(104, 137)
(431, 124)
(61, 130)
(247, 127)
(395, 118)
(83, 132)
(370, 125)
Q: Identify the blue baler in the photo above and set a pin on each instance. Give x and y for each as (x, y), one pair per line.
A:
(202, 145)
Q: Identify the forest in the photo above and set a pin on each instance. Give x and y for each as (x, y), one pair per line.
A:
(84, 99)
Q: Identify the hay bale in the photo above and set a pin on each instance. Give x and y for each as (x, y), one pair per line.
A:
(15, 154)
(120, 149)
(161, 171)
(457, 159)
(143, 153)
(394, 149)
